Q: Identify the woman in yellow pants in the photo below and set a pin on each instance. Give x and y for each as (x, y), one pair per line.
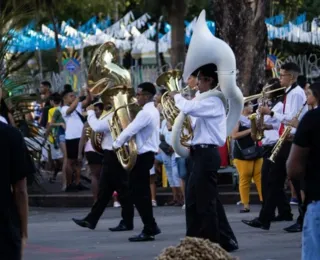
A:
(247, 161)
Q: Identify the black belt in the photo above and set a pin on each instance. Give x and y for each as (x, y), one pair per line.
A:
(203, 146)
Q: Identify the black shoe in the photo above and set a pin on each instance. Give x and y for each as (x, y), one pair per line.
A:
(231, 246)
(121, 227)
(282, 218)
(246, 210)
(142, 237)
(81, 187)
(296, 227)
(256, 223)
(83, 223)
(155, 231)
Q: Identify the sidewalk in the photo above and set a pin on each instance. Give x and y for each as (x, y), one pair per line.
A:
(50, 194)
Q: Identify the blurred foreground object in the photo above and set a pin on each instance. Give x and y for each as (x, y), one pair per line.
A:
(192, 248)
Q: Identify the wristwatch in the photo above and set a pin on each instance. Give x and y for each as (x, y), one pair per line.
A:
(271, 113)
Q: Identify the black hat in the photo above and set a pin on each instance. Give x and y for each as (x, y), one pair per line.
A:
(208, 70)
(148, 87)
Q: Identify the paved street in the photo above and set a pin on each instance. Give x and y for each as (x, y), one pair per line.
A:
(52, 236)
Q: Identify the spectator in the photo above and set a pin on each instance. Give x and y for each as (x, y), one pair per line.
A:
(16, 166)
(45, 92)
(303, 164)
(71, 113)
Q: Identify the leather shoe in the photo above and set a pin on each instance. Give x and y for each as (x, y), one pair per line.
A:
(121, 227)
(156, 231)
(83, 223)
(282, 218)
(142, 237)
(231, 246)
(296, 227)
(256, 223)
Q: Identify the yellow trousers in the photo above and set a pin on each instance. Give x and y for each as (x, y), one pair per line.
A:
(248, 170)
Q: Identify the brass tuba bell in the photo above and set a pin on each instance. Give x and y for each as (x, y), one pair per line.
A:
(112, 84)
(170, 80)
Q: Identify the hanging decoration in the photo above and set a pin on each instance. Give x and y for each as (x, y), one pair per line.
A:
(127, 35)
(71, 62)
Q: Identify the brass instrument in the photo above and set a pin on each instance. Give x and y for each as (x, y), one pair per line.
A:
(283, 137)
(96, 137)
(112, 84)
(170, 80)
(257, 121)
(22, 105)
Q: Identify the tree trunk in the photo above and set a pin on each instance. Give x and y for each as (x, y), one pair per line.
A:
(176, 11)
(56, 33)
(241, 24)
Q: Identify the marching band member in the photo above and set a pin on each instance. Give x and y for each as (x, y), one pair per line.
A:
(145, 127)
(205, 214)
(294, 100)
(113, 178)
(271, 135)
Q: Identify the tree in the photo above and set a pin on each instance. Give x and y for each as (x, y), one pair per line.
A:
(175, 11)
(241, 24)
(12, 17)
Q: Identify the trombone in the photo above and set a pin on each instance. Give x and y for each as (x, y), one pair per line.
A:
(263, 94)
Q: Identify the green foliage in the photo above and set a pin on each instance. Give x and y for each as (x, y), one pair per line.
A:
(12, 18)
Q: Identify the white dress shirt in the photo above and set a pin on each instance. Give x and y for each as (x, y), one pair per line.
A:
(210, 125)
(101, 126)
(245, 121)
(146, 129)
(294, 102)
(271, 136)
(3, 120)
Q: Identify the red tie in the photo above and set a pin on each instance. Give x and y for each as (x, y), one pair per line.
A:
(284, 108)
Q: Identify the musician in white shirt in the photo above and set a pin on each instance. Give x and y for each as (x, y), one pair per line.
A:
(113, 178)
(205, 214)
(294, 100)
(145, 128)
(271, 135)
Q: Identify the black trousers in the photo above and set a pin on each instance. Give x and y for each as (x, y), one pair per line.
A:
(113, 178)
(139, 190)
(282, 205)
(205, 215)
(10, 239)
(275, 189)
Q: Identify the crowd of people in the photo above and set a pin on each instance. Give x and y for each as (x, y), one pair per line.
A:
(67, 116)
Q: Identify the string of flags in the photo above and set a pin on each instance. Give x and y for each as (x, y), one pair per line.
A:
(137, 35)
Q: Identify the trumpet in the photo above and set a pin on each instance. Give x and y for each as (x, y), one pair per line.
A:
(283, 137)
(256, 127)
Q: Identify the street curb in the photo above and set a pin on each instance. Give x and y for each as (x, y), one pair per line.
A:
(80, 200)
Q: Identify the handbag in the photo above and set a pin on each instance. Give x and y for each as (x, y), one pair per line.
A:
(165, 148)
(249, 153)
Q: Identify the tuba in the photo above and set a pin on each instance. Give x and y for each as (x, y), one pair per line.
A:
(170, 80)
(205, 48)
(112, 84)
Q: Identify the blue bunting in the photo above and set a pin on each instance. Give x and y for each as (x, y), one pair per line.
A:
(29, 40)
